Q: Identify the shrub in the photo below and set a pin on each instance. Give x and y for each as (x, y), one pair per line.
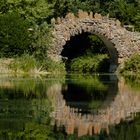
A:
(88, 63)
(26, 63)
(132, 65)
(54, 67)
(133, 81)
(41, 39)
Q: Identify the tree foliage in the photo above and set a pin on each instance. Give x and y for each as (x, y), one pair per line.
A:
(14, 36)
(24, 27)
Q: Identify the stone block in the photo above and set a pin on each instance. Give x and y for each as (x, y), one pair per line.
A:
(58, 20)
(53, 21)
(91, 15)
(70, 16)
(82, 14)
(97, 16)
(118, 23)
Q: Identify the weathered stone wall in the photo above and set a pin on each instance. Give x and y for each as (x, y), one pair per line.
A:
(121, 43)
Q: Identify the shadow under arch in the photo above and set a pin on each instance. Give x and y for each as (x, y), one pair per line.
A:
(112, 52)
(78, 44)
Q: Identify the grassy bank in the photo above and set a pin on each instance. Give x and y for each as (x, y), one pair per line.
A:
(4, 66)
(27, 65)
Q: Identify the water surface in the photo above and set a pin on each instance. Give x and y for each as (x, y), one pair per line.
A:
(70, 107)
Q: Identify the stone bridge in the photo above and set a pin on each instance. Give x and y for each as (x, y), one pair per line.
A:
(121, 43)
(124, 106)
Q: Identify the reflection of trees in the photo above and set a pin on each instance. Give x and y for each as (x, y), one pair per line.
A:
(22, 119)
(89, 82)
(25, 87)
(25, 108)
(126, 130)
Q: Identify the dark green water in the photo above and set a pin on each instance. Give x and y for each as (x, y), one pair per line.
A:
(72, 107)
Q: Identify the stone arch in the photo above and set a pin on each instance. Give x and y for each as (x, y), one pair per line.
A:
(120, 43)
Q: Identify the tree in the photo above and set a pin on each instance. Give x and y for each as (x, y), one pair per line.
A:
(20, 22)
(14, 38)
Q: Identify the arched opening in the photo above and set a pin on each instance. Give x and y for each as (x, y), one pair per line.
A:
(94, 47)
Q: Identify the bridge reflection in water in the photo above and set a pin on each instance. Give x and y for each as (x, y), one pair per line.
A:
(121, 103)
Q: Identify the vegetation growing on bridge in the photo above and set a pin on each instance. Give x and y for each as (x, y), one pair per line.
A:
(25, 24)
